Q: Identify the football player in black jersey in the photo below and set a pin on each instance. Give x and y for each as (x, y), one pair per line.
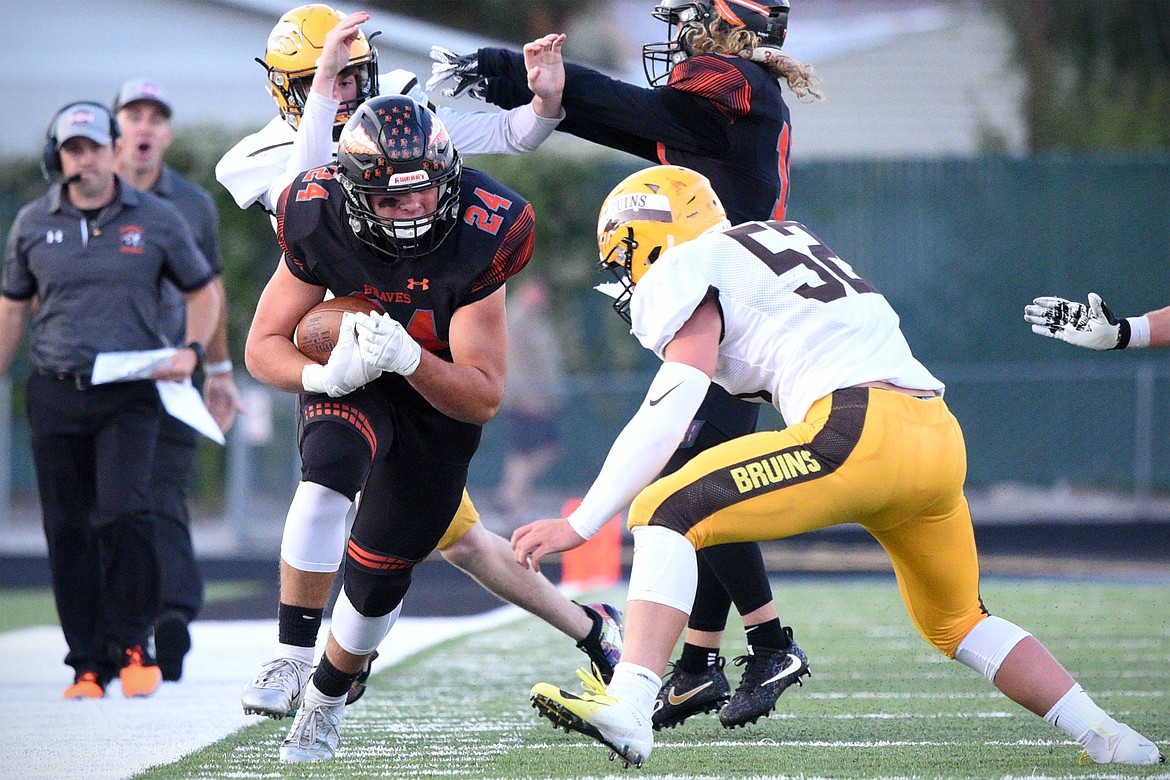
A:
(715, 106)
(397, 410)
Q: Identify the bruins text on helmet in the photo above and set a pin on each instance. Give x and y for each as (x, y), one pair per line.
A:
(768, 19)
(392, 145)
(647, 213)
(295, 44)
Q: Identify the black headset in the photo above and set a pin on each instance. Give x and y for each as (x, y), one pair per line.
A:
(50, 156)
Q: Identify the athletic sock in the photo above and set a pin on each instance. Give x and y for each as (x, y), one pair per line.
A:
(767, 635)
(1079, 716)
(635, 684)
(331, 681)
(298, 627)
(696, 658)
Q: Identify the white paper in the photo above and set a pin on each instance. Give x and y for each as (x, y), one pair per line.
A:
(183, 402)
(128, 366)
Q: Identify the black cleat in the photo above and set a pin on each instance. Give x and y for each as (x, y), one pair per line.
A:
(684, 694)
(767, 674)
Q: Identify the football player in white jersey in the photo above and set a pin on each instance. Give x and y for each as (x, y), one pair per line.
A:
(318, 83)
(320, 68)
(768, 311)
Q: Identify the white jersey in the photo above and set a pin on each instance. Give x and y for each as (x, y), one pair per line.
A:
(258, 168)
(798, 322)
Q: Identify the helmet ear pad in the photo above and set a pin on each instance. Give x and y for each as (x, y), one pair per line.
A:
(50, 156)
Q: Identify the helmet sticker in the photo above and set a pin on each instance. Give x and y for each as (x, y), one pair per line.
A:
(357, 141)
(636, 206)
(285, 38)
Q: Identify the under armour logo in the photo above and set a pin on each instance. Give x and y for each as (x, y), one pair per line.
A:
(54, 237)
(425, 284)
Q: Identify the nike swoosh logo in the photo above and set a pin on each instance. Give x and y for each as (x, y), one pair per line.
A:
(796, 667)
(677, 700)
(654, 402)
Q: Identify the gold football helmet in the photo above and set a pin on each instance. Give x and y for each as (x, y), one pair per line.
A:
(646, 214)
(290, 58)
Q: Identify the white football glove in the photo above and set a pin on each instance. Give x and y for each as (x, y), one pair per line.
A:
(345, 371)
(1092, 326)
(385, 344)
(462, 68)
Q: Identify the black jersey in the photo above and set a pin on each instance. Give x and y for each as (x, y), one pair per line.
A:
(722, 116)
(491, 242)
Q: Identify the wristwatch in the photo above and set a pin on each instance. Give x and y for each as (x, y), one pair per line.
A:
(200, 353)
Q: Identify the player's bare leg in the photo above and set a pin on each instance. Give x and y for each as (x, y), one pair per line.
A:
(488, 559)
(1034, 679)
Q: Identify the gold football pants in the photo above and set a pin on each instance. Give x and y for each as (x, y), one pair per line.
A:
(893, 463)
(465, 517)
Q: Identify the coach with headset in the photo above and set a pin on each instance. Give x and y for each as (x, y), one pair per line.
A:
(92, 254)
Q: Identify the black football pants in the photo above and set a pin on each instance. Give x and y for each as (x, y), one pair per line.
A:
(180, 582)
(93, 450)
(727, 572)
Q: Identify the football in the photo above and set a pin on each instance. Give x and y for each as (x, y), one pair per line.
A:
(317, 332)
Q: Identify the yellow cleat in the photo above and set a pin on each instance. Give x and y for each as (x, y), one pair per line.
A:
(594, 713)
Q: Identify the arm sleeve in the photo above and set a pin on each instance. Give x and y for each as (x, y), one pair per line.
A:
(493, 132)
(644, 446)
(313, 145)
(610, 112)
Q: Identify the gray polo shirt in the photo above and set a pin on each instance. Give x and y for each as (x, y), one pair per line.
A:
(98, 283)
(198, 208)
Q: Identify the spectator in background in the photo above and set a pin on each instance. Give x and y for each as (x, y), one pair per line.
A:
(1095, 326)
(144, 117)
(532, 394)
(94, 252)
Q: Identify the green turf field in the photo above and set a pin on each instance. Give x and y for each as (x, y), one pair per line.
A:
(880, 703)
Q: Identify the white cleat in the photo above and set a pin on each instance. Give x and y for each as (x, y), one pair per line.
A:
(1122, 747)
(315, 733)
(594, 713)
(278, 688)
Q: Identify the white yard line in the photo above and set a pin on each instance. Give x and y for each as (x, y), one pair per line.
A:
(113, 738)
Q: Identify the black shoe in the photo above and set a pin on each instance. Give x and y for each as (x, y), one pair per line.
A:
(767, 673)
(358, 688)
(684, 694)
(172, 641)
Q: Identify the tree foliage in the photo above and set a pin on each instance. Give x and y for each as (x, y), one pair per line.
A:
(1098, 72)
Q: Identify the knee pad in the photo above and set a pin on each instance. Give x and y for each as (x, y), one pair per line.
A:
(986, 645)
(375, 593)
(357, 633)
(664, 570)
(335, 456)
(314, 529)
